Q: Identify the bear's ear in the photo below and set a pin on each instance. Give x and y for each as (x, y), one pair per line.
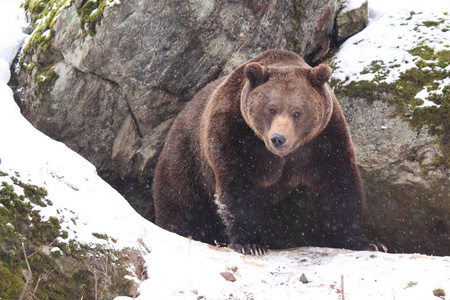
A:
(256, 74)
(320, 74)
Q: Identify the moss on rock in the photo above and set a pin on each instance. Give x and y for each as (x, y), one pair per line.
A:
(45, 79)
(432, 68)
(59, 267)
(91, 14)
(42, 15)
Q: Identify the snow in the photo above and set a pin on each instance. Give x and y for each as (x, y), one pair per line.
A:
(112, 3)
(425, 93)
(180, 268)
(352, 4)
(394, 28)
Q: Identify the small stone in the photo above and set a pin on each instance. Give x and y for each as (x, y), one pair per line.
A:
(228, 276)
(303, 278)
(233, 269)
(439, 293)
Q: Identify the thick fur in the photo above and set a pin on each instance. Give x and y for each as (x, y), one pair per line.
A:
(268, 127)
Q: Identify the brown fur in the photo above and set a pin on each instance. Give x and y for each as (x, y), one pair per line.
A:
(270, 126)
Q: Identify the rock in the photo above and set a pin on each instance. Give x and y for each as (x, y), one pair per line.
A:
(108, 79)
(402, 145)
(303, 278)
(440, 293)
(407, 192)
(350, 21)
(228, 276)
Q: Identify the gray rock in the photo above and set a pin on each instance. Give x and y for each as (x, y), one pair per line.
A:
(351, 21)
(109, 80)
(407, 192)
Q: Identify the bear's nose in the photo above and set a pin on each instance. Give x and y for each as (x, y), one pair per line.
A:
(277, 140)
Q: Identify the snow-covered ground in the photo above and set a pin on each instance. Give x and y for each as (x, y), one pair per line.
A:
(184, 269)
(394, 30)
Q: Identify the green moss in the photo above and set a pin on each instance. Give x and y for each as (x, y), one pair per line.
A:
(34, 193)
(365, 89)
(11, 281)
(45, 79)
(433, 23)
(101, 236)
(42, 16)
(297, 15)
(443, 57)
(91, 14)
(55, 274)
(423, 51)
(411, 14)
(411, 284)
(25, 225)
(432, 68)
(29, 67)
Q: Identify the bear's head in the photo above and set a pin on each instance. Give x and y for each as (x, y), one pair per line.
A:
(286, 106)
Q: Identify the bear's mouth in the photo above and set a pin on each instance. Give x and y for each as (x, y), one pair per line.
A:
(279, 151)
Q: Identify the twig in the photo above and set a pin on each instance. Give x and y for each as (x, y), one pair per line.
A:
(95, 280)
(105, 274)
(140, 281)
(52, 271)
(29, 272)
(342, 287)
(289, 284)
(40, 248)
(39, 280)
(37, 284)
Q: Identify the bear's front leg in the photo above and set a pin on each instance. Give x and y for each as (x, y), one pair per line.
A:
(336, 187)
(339, 199)
(339, 203)
(240, 205)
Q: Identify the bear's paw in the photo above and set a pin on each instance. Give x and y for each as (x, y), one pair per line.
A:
(250, 248)
(366, 245)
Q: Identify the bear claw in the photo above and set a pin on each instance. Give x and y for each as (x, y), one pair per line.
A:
(252, 249)
(377, 247)
(371, 246)
(361, 243)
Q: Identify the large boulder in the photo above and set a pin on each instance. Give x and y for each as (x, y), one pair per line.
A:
(392, 83)
(108, 77)
(407, 188)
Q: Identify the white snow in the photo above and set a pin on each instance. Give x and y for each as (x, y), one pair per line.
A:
(352, 4)
(112, 3)
(394, 28)
(425, 93)
(179, 268)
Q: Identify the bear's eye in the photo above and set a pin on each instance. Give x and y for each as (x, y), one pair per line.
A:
(296, 115)
(273, 111)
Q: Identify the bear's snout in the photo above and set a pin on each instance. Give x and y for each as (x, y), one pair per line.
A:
(277, 140)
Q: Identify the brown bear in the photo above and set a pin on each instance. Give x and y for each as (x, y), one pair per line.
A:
(271, 125)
